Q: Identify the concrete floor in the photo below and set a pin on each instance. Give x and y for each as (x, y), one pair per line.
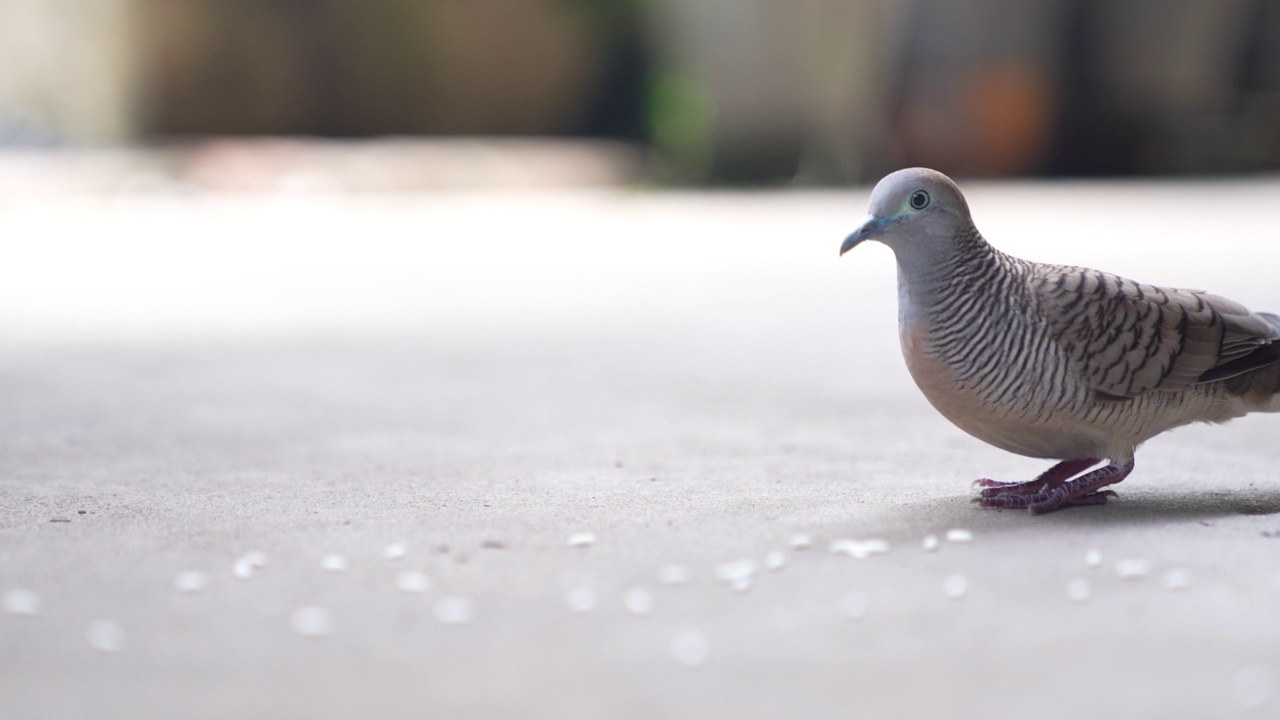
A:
(694, 378)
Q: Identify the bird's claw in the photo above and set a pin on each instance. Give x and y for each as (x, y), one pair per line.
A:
(988, 488)
(1041, 502)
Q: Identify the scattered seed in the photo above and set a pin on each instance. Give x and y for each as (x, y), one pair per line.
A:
(847, 546)
(334, 562)
(742, 583)
(1177, 579)
(105, 636)
(582, 539)
(190, 581)
(394, 551)
(1133, 568)
(673, 575)
(734, 569)
(412, 581)
(955, 586)
(311, 621)
(801, 541)
(255, 558)
(454, 610)
(492, 544)
(1254, 685)
(690, 647)
(775, 560)
(854, 605)
(21, 602)
(1078, 589)
(638, 601)
(959, 535)
(242, 569)
(1093, 557)
(581, 599)
(859, 549)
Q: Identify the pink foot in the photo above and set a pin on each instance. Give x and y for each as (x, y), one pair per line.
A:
(1040, 496)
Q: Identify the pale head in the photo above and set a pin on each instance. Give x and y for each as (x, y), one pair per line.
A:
(913, 209)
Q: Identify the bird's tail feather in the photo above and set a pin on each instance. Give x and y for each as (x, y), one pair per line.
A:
(1255, 378)
(1274, 405)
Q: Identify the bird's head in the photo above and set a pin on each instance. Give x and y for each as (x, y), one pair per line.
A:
(912, 209)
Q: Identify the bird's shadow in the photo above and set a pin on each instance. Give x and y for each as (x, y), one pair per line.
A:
(1140, 508)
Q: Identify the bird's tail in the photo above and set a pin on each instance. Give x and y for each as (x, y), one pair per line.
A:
(1256, 380)
(1274, 404)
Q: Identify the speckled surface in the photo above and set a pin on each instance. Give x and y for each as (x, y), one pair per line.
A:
(692, 378)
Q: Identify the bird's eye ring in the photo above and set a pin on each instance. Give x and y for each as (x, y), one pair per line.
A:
(919, 200)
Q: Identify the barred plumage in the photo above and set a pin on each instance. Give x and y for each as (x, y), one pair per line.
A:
(1053, 361)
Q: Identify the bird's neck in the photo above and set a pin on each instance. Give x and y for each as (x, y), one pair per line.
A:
(934, 278)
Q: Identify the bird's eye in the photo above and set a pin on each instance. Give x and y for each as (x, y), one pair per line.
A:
(919, 200)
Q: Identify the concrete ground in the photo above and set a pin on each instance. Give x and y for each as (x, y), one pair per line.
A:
(694, 378)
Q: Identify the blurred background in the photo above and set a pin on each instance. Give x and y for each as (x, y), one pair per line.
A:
(686, 92)
(314, 277)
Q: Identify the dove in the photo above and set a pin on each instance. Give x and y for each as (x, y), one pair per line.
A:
(1058, 362)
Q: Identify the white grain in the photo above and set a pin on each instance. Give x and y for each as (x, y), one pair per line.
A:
(1078, 589)
(690, 648)
(105, 636)
(673, 575)
(638, 602)
(190, 581)
(1177, 579)
(334, 562)
(454, 610)
(311, 621)
(734, 569)
(955, 586)
(22, 602)
(1133, 568)
(801, 541)
(412, 581)
(859, 549)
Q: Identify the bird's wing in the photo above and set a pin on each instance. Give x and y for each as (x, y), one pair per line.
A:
(1127, 338)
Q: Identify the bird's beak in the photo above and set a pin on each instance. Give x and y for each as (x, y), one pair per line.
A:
(869, 228)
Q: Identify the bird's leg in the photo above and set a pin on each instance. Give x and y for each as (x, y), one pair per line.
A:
(1083, 490)
(1048, 480)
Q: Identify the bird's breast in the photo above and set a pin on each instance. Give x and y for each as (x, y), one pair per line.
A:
(1022, 425)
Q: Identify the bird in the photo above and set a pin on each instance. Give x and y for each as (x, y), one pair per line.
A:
(1057, 362)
